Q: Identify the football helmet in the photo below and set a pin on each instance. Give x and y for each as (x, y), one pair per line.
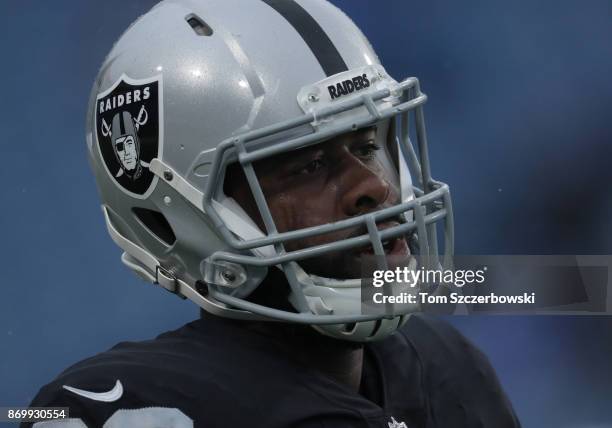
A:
(196, 85)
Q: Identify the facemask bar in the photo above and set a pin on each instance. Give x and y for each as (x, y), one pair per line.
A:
(430, 205)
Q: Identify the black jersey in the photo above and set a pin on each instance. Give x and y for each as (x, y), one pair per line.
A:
(214, 373)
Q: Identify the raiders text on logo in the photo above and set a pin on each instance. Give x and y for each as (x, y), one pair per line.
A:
(128, 123)
(127, 98)
(348, 86)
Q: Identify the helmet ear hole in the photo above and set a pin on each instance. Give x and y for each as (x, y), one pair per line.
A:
(156, 224)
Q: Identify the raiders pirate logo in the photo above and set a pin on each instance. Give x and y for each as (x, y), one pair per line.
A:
(128, 127)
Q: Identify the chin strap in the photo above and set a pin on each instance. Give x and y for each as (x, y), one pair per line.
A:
(147, 267)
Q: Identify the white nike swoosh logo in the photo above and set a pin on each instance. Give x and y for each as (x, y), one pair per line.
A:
(107, 397)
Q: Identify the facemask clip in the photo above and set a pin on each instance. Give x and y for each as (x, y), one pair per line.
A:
(224, 274)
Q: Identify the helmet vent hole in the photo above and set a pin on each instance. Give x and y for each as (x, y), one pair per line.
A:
(156, 224)
(200, 27)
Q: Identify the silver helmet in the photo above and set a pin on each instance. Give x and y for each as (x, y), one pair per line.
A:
(197, 85)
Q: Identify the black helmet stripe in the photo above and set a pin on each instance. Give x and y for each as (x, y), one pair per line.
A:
(312, 33)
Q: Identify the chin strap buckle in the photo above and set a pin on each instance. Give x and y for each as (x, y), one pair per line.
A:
(167, 280)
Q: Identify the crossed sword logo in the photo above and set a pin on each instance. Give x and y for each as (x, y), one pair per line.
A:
(143, 117)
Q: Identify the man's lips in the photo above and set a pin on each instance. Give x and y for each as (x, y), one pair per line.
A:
(396, 246)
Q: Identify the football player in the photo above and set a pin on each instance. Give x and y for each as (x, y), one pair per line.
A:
(280, 168)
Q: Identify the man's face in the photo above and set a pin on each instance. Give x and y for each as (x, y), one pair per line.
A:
(126, 150)
(347, 176)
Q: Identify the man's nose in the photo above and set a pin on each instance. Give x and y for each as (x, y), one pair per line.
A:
(365, 189)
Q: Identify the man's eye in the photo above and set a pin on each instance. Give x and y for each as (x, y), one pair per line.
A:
(312, 167)
(367, 151)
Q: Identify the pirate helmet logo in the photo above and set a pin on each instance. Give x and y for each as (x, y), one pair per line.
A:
(126, 144)
(128, 119)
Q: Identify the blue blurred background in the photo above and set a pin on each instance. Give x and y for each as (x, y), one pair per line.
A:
(520, 125)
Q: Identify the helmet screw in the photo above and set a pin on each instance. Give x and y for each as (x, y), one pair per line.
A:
(228, 276)
(313, 98)
(168, 175)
